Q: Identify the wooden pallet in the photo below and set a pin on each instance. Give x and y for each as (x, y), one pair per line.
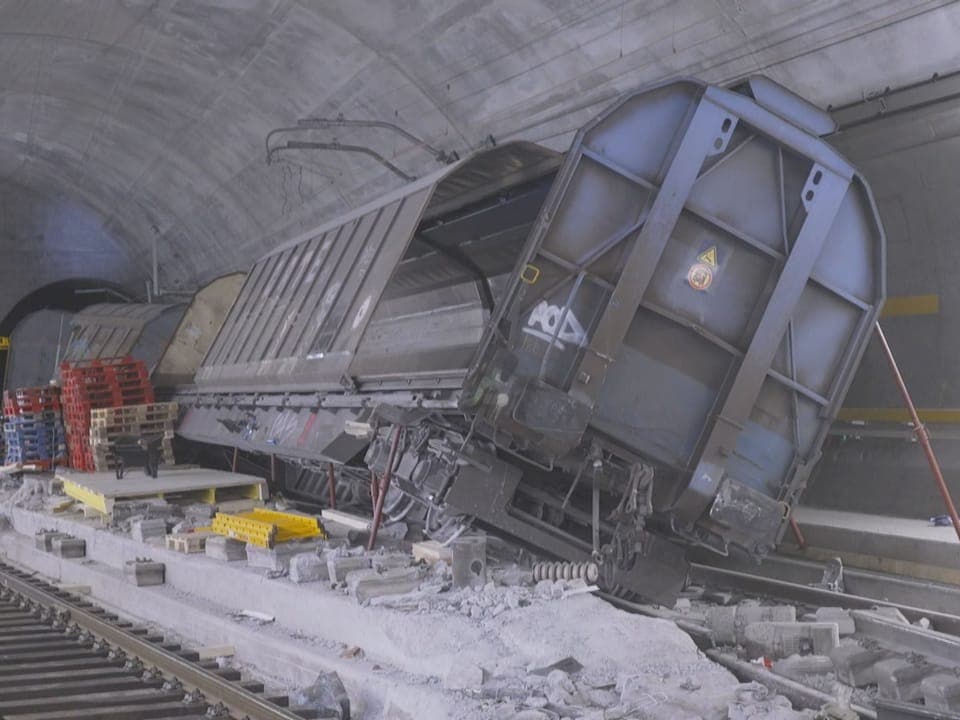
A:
(188, 543)
(100, 490)
(106, 435)
(134, 413)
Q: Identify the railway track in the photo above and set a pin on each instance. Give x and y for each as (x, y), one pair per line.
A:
(63, 658)
(928, 641)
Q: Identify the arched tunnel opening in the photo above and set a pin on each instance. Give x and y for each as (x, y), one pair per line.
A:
(70, 295)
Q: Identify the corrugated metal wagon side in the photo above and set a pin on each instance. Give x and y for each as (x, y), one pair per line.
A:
(698, 290)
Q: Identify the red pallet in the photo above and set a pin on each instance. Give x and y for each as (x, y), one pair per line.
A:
(31, 400)
(95, 384)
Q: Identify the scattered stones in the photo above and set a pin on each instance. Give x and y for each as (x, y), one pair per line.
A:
(464, 676)
(568, 665)
(755, 702)
(326, 694)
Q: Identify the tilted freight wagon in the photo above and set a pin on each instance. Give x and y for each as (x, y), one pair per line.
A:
(608, 355)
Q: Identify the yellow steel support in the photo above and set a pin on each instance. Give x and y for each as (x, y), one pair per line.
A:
(909, 305)
(266, 528)
(98, 501)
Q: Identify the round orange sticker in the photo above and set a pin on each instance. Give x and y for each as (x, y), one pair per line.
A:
(700, 276)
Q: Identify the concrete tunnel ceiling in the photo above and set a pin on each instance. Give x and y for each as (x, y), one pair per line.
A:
(122, 121)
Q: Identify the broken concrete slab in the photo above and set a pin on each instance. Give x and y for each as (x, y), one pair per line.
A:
(364, 585)
(148, 530)
(339, 566)
(464, 676)
(854, 663)
(199, 513)
(124, 510)
(843, 619)
(430, 551)
(277, 559)
(728, 622)
(224, 548)
(898, 679)
(941, 691)
(308, 567)
(69, 547)
(800, 667)
(390, 561)
(782, 639)
(327, 694)
(144, 573)
(44, 539)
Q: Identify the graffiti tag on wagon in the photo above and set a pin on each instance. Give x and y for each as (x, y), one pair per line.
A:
(544, 321)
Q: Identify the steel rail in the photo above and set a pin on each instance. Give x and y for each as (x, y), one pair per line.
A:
(237, 700)
(755, 584)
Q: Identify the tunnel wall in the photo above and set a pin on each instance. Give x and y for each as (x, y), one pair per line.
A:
(872, 464)
(47, 238)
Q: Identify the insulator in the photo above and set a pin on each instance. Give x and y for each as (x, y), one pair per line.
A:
(586, 571)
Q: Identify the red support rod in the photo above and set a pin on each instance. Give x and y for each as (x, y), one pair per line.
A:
(384, 487)
(332, 484)
(795, 526)
(921, 432)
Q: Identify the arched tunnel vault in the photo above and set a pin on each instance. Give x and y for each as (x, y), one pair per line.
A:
(125, 121)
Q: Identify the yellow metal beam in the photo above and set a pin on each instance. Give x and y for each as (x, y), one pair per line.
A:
(87, 496)
(908, 305)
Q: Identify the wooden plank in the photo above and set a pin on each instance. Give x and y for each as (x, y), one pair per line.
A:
(354, 522)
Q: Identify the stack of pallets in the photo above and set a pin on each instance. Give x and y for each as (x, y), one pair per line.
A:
(93, 384)
(108, 425)
(33, 427)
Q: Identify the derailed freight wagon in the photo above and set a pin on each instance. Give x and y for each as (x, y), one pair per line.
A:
(607, 355)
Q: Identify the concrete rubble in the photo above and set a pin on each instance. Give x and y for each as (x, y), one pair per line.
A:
(226, 549)
(144, 572)
(148, 530)
(507, 649)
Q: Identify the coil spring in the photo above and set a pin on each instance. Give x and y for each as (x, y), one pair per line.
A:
(587, 571)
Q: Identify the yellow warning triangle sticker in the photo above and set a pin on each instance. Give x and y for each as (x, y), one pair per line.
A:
(709, 257)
